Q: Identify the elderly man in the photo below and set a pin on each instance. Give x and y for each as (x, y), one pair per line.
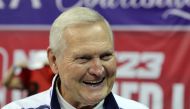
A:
(81, 54)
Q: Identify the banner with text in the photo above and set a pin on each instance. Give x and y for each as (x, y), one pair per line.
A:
(152, 42)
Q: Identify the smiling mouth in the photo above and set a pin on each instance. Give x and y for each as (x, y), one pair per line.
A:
(94, 83)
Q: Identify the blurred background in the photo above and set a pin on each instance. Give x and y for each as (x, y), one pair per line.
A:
(152, 42)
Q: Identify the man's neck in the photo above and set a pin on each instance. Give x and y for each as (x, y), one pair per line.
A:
(61, 98)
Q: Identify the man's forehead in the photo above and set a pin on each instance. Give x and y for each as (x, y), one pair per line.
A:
(86, 32)
(85, 25)
(88, 50)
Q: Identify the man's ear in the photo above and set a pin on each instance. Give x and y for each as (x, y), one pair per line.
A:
(52, 60)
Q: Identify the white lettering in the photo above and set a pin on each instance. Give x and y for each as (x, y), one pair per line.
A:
(103, 4)
(147, 3)
(14, 4)
(36, 4)
(176, 12)
(178, 96)
(91, 3)
(19, 56)
(168, 3)
(146, 65)
(129, 60)
(179, 3)
(152, 94)
(148, 93)
(160, 3)
(2, 4)
(61, 7)
(2, 96)
(188, 3)
(113, 4)
(129, 88)
(37, 59)
(155, 60)
(4, 61)
(134, 4)
(124, 4)
(154, 91)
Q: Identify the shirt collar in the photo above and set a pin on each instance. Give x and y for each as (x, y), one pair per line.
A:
(108, 103)
(63, 104)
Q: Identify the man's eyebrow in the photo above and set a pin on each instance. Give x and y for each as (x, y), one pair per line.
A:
(85, 57)
(108, 51)
(82, 55)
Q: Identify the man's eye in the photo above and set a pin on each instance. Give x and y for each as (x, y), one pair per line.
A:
(83, 59)
(106, 56)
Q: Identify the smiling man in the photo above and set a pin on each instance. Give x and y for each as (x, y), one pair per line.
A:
(81, 54)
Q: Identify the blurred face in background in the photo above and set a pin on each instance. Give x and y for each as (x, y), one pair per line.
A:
(87, 64)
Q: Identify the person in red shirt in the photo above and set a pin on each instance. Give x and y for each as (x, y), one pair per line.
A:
(33, 81)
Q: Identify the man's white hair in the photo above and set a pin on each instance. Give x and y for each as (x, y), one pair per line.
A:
(72, 16)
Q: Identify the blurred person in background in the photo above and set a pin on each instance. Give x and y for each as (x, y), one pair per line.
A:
(81, 54)
(33, 78)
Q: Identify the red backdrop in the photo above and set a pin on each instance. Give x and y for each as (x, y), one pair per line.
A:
(153, 67)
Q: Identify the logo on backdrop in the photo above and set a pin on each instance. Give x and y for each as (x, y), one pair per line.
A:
(142, 65)
(162, 11)
(174, 6)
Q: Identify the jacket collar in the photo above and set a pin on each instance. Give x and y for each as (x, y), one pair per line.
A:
(109, 102)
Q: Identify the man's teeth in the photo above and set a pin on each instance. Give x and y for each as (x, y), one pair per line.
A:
(93, 82)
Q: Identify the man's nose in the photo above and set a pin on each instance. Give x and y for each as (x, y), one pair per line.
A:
(96, 68)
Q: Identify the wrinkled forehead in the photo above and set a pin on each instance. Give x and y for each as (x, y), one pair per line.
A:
(87, 32)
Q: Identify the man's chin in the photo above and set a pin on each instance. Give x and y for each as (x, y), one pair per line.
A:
(94, 97)
(93, 100)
